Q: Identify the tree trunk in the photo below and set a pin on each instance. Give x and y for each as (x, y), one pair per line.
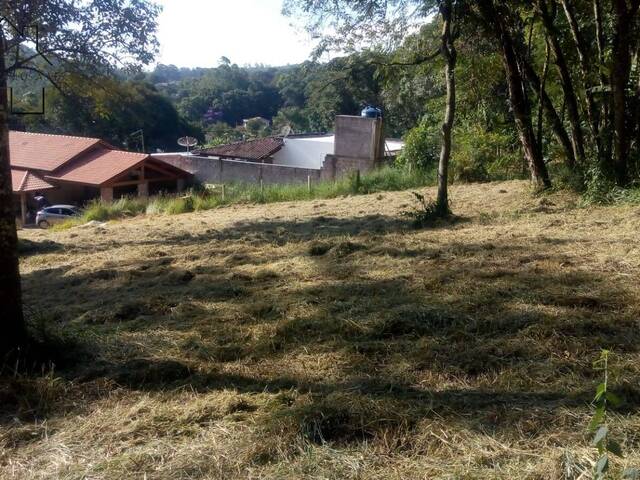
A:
(493, 17)
(553, 118)
(621, 60)
(522, 112)
(13, 333)
(541, 91)
(583, 57)
(450, 55)
(600, 40)
(577, 138)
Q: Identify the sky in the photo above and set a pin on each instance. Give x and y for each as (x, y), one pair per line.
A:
(196, 33)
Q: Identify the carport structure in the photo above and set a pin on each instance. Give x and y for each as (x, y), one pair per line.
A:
(24, 182)
(74, 170)
(116, 173)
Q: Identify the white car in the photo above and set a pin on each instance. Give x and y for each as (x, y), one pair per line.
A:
(55, 214)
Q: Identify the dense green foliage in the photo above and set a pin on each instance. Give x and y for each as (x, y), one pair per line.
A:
(570, 68)
(113, 110)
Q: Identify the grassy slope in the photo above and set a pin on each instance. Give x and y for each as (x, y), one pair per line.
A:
(221, 348)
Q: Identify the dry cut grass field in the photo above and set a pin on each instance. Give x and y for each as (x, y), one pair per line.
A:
(329, 339)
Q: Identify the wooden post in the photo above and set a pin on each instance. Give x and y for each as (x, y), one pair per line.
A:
(106, 194)
(23, 208)
(261, 186)
(143, 189)
(223, 192)
(309, 183)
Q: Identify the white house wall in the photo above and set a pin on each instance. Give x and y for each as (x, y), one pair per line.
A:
(304, 152)
(310, 152)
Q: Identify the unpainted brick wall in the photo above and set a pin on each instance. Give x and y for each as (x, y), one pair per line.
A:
(335, 166)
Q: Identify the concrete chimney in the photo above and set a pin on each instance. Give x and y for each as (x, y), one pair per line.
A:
(359, 137)
(358, 146)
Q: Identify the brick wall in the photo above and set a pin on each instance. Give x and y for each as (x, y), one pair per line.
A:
(358, 137)
(335, 166)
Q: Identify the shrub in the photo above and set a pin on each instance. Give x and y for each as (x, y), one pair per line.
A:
(124, 207)
(426, 212)
(156, 206)
(393, 178)
(177, 205)
(421, 149)
(479, 156)
(96, 210)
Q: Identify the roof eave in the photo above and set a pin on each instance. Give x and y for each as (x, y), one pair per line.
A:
(65, 180)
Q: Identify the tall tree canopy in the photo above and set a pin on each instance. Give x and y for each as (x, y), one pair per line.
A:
(570, 68)
(381, 26)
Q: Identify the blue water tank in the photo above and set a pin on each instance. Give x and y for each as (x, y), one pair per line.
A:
(371, 112)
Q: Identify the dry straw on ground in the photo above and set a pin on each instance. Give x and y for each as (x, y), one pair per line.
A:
(329, 339)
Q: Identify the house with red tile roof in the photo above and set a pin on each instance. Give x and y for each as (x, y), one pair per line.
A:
(355, 137)
(357, 144)
(256, 150)
(73, 170)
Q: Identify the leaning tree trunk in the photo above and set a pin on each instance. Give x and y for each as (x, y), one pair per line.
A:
(541, 91)
(13, 333)
(493, 18)
(624, 18)
(586, 66)
(450, 55)
(552, 115)
(566, 82)
(522, 112)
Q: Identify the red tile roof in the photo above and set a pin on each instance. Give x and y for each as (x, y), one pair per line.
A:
(88, 161)
(99, 166)
(39, 151)
(26, 181)
(258, 149)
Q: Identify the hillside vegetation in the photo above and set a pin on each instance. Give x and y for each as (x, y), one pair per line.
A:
(330, 339)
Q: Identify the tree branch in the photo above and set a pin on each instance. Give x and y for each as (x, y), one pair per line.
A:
(417, 61)
(43, 74)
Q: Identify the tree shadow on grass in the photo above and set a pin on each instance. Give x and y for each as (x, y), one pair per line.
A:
(278, 232)
(467, 312)
(28, 247)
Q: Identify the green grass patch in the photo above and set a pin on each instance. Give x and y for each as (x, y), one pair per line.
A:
(124, 207)
(209, 197)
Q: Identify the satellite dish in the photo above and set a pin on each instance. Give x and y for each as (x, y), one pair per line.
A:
(286, 130)
(187, 142)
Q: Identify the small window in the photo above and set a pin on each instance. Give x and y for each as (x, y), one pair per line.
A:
(66, 211)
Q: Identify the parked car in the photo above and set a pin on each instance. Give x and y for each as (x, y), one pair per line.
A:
(55, 214)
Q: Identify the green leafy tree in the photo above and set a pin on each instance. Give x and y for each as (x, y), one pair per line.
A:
(374, 23)
(294, 117)
(221, 133)
(421, 147)
(257, 127)
(111, 110)
(87, 37)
